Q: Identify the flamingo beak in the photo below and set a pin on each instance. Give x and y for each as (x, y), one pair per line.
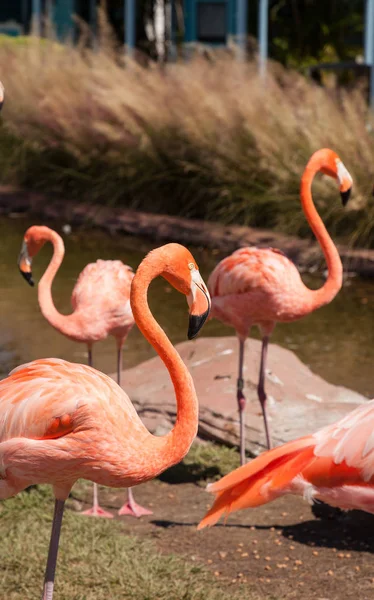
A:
(345, 196)
(195, 323)
(1, 95)
(199, 303)
(345, 181)
(24, 264)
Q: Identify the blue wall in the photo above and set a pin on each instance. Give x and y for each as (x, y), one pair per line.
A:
(191, 12)
(62, 16)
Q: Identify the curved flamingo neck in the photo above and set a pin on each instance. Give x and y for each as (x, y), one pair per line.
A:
(60, 322)
(331, 287)
(169, 449)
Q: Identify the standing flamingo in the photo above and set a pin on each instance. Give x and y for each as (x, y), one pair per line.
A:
(101, 304)
(61, 421)
(261, 286)
(335, 465)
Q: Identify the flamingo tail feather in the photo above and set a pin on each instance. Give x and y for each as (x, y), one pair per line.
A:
(260, 481)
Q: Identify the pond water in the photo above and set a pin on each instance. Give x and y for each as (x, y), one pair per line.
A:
(336, 342)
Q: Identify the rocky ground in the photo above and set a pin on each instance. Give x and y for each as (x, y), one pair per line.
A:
(276, 552)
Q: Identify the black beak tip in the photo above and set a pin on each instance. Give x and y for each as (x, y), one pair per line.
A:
(28, 277)
(195, 324)
(345, 196)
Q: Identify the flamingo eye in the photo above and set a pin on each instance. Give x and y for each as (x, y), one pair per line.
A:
(191, 266)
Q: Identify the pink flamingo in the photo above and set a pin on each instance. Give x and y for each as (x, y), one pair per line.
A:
(335, 465)
(261, 286)
(101, 304)
(62, 421)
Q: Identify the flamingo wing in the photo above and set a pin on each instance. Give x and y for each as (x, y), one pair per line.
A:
(40, 400)
(101, 299)
(103, 281)
(350, 441)
(336, 464)
(248, 269)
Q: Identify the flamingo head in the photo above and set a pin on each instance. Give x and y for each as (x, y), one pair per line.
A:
(182, 272)
(34, 239)
(198, 301)
(332, 165)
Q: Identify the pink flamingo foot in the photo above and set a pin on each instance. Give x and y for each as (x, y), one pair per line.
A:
(134, 511)
(97, 511)
(132, 508)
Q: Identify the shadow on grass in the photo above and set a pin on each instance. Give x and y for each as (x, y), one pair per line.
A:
(189, 473)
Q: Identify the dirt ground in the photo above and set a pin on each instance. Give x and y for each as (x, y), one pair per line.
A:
(279, 551)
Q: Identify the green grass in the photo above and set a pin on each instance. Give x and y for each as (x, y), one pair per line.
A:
(205, 462)
(96, 561)
(21, 41)
(211, 461)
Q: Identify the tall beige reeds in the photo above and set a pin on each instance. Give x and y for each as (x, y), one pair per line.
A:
(200, 138)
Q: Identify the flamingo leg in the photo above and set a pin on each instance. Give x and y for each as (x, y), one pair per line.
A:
(96, 510)
(50, 571)
(130, 507)
(119, 364)
(261, 389)
(241, 401)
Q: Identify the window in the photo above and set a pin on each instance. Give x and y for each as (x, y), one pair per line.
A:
(211, 22)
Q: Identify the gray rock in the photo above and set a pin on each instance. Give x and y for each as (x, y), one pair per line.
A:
(300, 402)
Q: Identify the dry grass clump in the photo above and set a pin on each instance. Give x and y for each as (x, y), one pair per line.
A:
(203, 138)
